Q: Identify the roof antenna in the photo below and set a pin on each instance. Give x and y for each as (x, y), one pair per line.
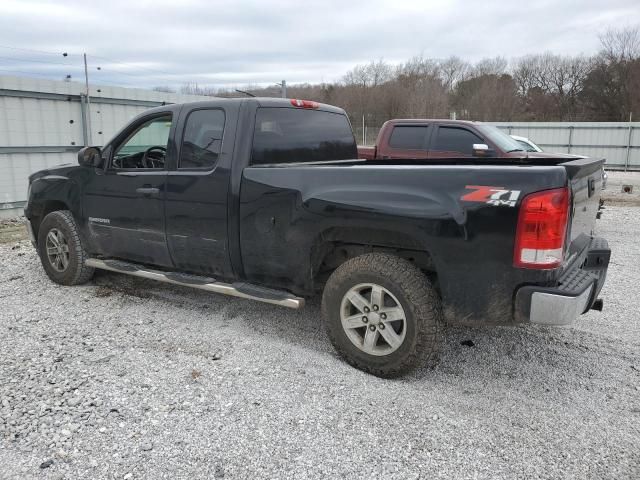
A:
(246, 93)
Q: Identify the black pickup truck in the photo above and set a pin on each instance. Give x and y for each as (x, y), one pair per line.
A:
(266, 199)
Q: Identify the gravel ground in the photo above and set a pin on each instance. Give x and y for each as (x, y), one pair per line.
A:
(613, 194)
(125, 378)
(13, 230)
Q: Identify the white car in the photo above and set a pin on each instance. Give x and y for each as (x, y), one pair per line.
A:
(529, 146)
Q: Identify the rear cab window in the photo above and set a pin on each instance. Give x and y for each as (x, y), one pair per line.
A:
(409, 137)
(294, 135)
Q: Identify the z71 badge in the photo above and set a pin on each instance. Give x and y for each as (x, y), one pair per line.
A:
(497, 196)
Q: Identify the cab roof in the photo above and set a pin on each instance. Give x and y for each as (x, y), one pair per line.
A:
(259, 101)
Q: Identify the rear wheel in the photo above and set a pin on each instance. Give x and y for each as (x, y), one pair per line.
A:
(382, 314)
(61, 252)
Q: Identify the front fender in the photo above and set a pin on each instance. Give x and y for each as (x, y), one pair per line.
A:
(55, 189)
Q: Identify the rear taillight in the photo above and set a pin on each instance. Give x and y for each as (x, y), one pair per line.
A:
(542, 227)
(304, 103)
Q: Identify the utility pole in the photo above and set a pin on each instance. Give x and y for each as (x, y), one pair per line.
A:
(283, 88)
(626, 162)
(86, 82)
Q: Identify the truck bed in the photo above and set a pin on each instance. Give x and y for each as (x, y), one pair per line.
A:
(410, 206)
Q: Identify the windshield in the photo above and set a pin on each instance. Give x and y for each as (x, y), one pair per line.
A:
(527, 146)
(503, 141)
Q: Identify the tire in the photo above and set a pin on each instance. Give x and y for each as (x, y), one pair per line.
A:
(62, 227)
(414, 339)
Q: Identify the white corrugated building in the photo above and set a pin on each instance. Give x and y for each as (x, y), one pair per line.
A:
(617, 142)
(43, 123)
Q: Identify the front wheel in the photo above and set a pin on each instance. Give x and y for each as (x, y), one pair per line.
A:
(61, 252)
(382, 314)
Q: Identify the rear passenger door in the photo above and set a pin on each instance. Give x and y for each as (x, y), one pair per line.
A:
(450, 141)
(406, 141)
(197, 188)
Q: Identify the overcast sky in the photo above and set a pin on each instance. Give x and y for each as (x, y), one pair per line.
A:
(235, 43)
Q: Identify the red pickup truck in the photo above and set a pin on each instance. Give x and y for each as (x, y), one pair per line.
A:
(425, 139)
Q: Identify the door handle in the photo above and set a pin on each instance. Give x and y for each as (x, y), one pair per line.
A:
(148, 191)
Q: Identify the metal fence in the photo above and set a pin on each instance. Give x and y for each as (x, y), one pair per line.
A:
(45, 122)
(618, 143)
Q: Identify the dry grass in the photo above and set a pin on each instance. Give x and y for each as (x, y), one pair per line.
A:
(11, 231)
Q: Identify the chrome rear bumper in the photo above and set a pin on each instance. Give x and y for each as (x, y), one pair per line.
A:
(576, 291)
(554, 309)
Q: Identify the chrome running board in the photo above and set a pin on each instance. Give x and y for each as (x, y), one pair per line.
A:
(239, 289)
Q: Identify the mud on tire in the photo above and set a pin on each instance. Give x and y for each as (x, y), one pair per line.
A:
(414, 339)
(59, 229)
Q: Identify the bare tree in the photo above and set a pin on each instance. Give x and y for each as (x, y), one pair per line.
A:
(611, 87)
(420, 83)
(379, 72)
(566, 76)
(490, 66)
(549, 85)
(486, 97)
(453, 70)
(621, 45)
(525, 73)
(417, 67)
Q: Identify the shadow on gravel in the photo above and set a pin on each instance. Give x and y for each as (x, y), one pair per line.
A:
(491, 353)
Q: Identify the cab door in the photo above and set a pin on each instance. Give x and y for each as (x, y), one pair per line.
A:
(123, 204)
(450, 141)
(406, 141)
(197, 191)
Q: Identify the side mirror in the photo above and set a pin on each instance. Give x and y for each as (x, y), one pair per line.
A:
(90, 157)
(482, 150)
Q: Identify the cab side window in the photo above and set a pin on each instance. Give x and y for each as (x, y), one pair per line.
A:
(454, 139)
(146, 146)
(409, 137)
(202, 139)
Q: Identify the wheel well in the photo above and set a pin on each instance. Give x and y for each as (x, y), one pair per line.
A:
(47, 208)
(333, 254)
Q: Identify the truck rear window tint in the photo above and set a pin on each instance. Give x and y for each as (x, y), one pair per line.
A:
(291, 135)
(409, 137)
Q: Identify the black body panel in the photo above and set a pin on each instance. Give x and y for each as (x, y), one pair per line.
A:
(287, 214)
(196, 205)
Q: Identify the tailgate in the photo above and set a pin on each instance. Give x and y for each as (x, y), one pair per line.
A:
(585, 181)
